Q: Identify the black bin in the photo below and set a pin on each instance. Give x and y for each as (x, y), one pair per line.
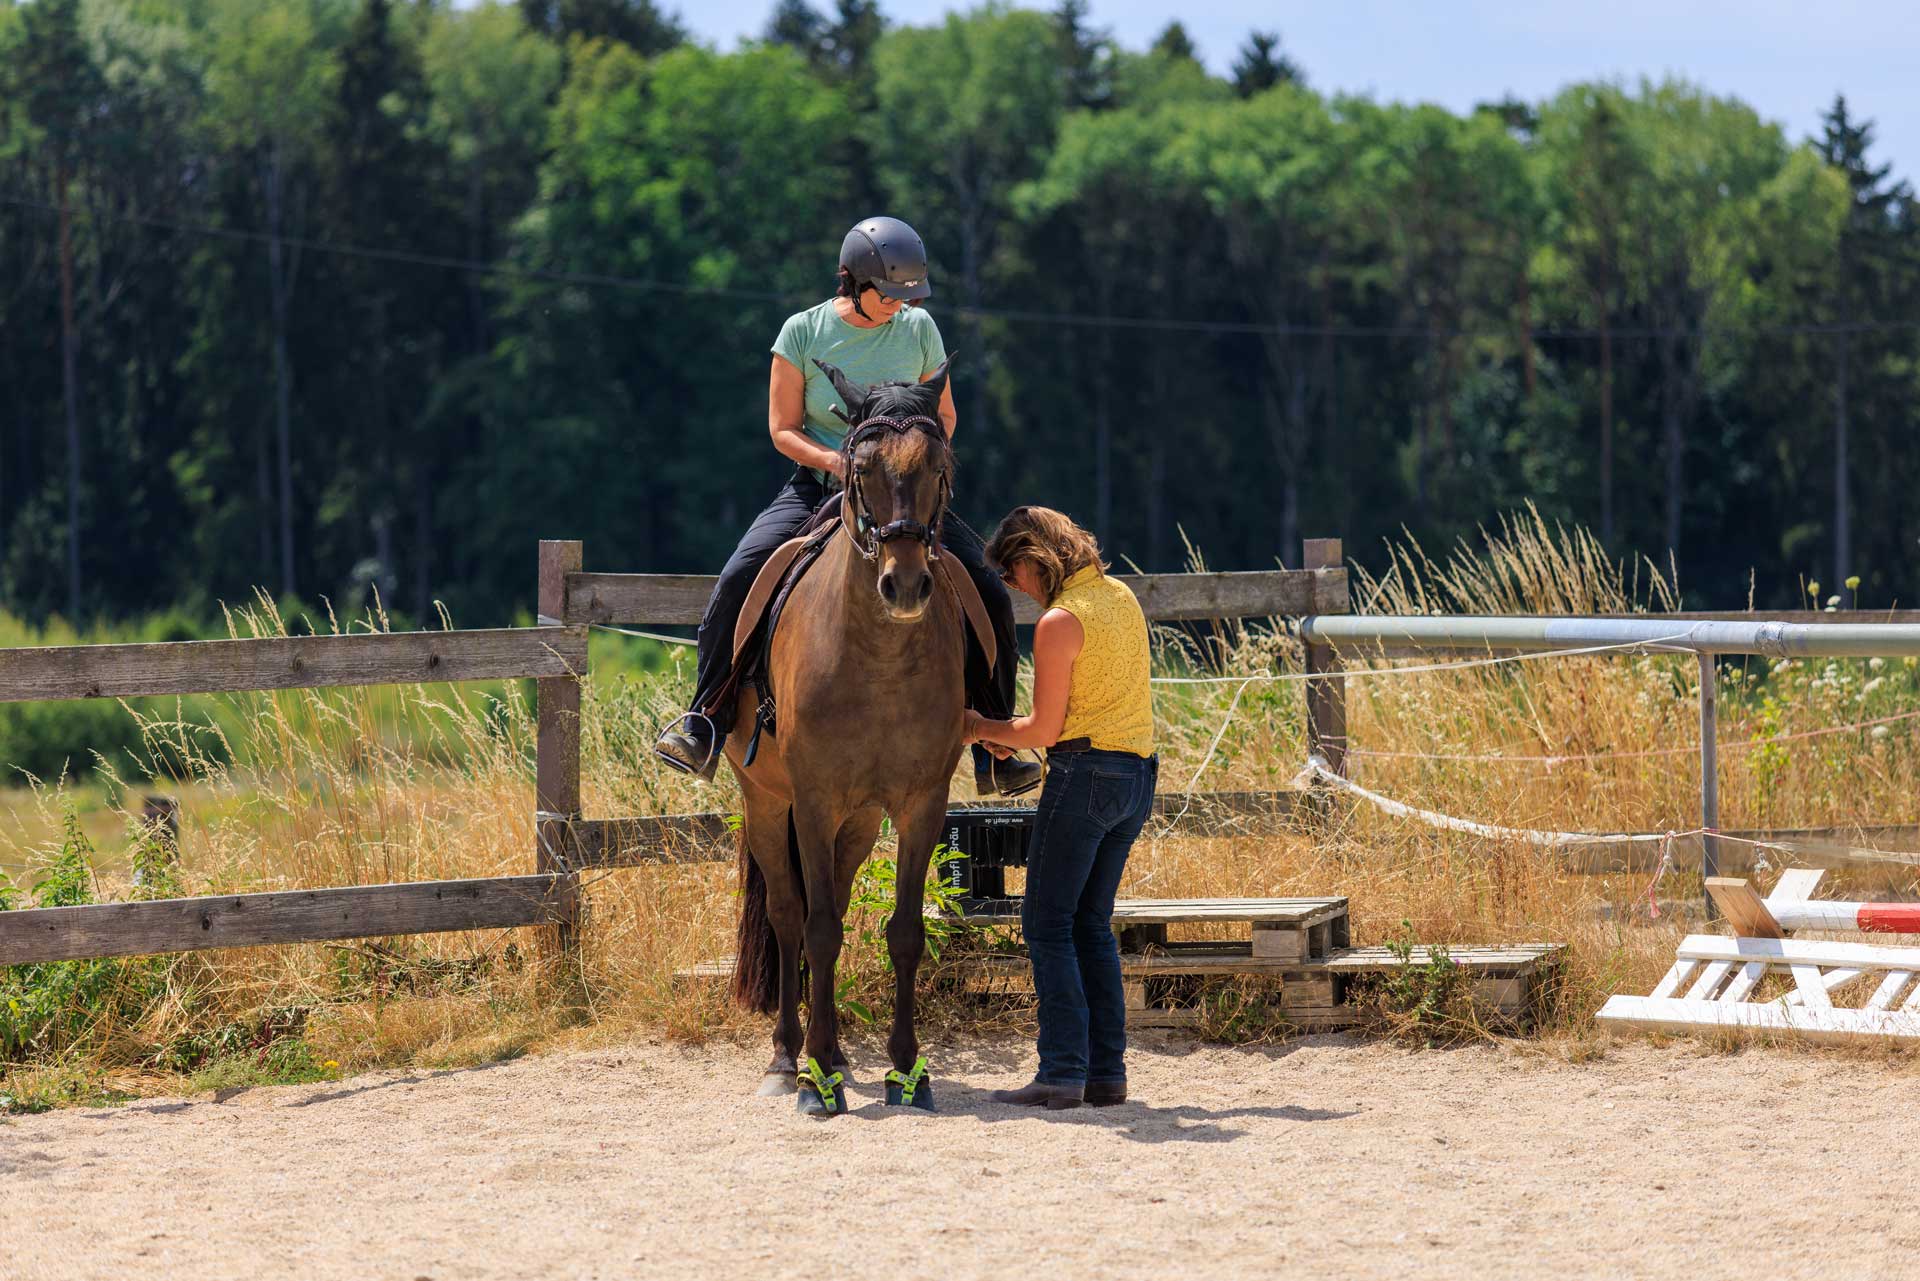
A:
(989, 839)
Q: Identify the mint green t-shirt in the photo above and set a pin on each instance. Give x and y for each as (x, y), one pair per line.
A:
(905, 349)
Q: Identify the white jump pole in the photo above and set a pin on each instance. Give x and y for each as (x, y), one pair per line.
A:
(1870, 918)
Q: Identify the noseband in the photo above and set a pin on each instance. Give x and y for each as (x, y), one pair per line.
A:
(866, 536)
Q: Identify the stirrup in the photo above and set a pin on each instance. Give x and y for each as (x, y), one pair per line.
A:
(707, 766)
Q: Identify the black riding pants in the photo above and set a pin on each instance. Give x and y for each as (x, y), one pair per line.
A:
(989, 693)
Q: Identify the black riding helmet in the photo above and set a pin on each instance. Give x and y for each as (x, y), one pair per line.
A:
(887, 254)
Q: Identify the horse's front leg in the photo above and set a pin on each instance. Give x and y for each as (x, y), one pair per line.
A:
(909, 1082)
(822, 1087)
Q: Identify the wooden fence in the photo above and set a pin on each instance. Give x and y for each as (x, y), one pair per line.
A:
(554, 655)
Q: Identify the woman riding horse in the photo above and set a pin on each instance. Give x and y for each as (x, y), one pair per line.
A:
(869, 332)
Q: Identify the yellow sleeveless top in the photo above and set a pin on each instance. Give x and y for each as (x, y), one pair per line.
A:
(1109, 700)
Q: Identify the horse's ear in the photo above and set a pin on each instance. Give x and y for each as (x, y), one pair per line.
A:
(936, 382)
(852, 399)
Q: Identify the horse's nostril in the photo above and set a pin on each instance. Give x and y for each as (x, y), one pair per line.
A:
(887, 589)
(926, 587)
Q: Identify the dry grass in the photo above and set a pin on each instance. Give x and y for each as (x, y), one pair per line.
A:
(351, 786)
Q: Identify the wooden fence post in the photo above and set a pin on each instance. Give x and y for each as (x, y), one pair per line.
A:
(1327, 691)
(557, 757)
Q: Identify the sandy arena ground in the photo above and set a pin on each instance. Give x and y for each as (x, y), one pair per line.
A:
(1324, 1158)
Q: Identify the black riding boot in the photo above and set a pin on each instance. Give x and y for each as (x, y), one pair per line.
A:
(1010, 777)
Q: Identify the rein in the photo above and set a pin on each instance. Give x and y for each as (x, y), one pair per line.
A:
(854, 515)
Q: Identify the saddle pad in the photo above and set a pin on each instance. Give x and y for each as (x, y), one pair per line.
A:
(765, 583)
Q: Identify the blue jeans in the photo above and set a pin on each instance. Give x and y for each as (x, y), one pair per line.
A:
(1091, 809)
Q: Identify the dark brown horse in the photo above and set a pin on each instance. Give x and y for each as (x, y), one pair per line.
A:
(866, 668)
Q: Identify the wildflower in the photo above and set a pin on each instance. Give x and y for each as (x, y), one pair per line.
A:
(331, 1064)
(1880, 732)
(1853, 582)
(1876, 663)
(1873, 684)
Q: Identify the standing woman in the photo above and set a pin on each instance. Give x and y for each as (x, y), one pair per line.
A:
(1092, 709)
(872, 333)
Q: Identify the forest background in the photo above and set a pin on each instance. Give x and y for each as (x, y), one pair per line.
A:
(330, 296)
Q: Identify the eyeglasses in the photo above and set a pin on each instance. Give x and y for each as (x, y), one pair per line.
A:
(1006, 575)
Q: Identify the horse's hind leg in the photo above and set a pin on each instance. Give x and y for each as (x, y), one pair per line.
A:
(770, 832)
(906, 943)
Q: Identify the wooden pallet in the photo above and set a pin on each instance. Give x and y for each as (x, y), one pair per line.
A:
(1281, 929)
(1510, 983)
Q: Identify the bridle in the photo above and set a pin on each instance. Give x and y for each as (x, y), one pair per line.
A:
(854, 515)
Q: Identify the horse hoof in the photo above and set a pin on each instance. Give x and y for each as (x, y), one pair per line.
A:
(922, 1097)
(911, 1089)
(819, 1095)
(774, 1084)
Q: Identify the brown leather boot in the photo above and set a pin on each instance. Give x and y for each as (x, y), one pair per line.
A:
(1038, 1093)
(1104, 1094)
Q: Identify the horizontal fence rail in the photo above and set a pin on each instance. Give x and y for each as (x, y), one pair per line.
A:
(707, 838)
(637, 600)
(33, 935)
(1357, 635)
(288, 662)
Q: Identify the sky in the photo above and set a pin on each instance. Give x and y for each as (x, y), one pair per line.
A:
(1785, 59)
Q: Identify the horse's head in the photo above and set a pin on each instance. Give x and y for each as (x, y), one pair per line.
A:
(899, 477)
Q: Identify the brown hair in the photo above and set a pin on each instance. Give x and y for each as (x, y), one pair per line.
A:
(1057, 548)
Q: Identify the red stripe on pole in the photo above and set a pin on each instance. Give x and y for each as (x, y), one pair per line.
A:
(1890, 918)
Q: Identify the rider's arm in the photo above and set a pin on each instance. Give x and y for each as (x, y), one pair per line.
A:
(1057, 639)
(787, 417)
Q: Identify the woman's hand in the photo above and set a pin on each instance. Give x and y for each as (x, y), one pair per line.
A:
(976, 728)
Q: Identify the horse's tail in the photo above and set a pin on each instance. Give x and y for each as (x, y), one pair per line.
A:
(756, 965)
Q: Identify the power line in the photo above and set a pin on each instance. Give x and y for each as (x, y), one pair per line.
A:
(607, 280)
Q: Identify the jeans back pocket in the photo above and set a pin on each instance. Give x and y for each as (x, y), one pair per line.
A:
(1111, 795)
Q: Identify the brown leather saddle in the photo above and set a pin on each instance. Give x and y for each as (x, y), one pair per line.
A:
(773, 587)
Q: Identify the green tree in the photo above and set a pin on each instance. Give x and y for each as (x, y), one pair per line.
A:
(1444, 195)
(801, 27)
(1723, 201)
(1872, 279)
(271, 78)
(1261, 65)
(1272, 171)
(636, 412)
(1587, 163)
(639, 24)
(1132, 231)
(1086, 57)
(1174, 42)
(54, 78)
(492, 81)
(385, 179)
(966, 112)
